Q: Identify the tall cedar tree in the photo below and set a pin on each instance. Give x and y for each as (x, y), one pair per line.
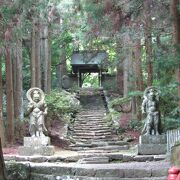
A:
(176, 38)
(9, 87)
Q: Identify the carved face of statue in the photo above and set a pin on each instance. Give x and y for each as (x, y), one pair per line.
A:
(151, 94)
(36, 96)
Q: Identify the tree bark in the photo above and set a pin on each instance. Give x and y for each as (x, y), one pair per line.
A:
(138, 66)
(2, 165)
(148, 41)
(139, 85)
(33, 56)
(176, 38)
(9, 95)
(49, 64)
(45, 56)
(37, 56)
(127, 61)
(1, 106)
(120, 78)
(18, 81)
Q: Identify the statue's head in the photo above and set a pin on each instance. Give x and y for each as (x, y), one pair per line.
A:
(152, 93)
(36, 96)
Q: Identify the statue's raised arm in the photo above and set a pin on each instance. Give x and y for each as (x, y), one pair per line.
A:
(36, 109)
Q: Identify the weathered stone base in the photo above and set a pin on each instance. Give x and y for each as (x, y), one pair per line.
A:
(36, 146)
(152, 139)
(152, 145)
(36, 141)
(149, 149)
(37, 150)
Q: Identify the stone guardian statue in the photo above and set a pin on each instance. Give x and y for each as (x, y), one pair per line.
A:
(150, 107)
(37, 110)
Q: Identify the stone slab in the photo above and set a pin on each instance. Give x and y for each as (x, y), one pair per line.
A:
(153, 139)
(36, 141)
(143, 158)
(37, 150)
(94, 160)
(151, 149)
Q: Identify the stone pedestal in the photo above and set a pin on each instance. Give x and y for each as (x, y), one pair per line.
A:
(152, 144)
(36, 146)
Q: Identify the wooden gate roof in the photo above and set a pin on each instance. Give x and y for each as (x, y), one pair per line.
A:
(89, 61)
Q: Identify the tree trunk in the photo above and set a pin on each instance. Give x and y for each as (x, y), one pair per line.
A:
(139, 85)
(127, 63)
(45, 57)
(10, 98)
(18, 81)
(1, 106)
(2, 165)
(37, 57)
(125, 76)
(176, 38)
(120, 78)
(33, 56)
(49, 64)
(148, 40)
(138, 66)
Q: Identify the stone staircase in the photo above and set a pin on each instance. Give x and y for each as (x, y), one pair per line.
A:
(75, 171)
(91, 132)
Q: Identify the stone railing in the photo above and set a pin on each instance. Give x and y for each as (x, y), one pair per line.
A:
(172, 137)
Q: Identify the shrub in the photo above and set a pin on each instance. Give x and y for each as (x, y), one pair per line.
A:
(61, 103)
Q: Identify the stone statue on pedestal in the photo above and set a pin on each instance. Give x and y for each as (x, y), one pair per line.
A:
(38, 143)
(37, 109)
(150, 106)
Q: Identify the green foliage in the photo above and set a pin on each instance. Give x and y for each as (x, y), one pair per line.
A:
(110, 85)
(119, 101)
(135, 124)
(91, 80)
(170, 123)
(61, 103)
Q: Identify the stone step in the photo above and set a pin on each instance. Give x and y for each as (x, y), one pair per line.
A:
(90, 114)
(91, 128)
(90, 122)
(89, 141)
(94, 160)
(91, 134)
(113, 157)
(92, 137)
(102, 149)
(88, 119)
(45, 177)
(99, 126)
(105, 143)
(134, 170)
(93, 131)
(90, 125)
